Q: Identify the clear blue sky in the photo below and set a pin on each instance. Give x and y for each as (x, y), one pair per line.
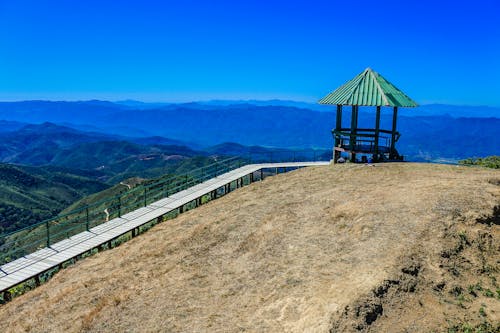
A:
(436, 51)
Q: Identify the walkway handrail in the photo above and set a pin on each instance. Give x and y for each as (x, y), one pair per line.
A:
(26, 240)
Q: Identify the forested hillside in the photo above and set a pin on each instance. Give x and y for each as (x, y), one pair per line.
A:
(29, 195)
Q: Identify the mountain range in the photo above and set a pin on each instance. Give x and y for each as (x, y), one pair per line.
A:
(429, 133)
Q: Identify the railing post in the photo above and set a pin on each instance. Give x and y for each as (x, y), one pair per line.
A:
(119, 206)
(87, 218)
(145, 198)
(48, 233)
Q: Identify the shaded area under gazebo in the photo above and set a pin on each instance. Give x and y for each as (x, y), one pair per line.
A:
(367, 89)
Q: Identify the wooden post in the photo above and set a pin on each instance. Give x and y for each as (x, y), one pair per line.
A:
(7, 297)
(377, 134)
(338, 127)
(352, 137)
(393, 134)
(261, 174)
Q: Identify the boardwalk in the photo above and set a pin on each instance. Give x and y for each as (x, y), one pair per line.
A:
(32, 265)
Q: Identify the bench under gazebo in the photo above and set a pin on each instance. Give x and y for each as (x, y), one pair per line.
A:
(367, 89)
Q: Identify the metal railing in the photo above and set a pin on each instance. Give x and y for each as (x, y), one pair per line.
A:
(19, 243)
(364, 139)
(27, 240)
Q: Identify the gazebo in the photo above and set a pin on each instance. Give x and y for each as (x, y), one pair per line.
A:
(367, 89)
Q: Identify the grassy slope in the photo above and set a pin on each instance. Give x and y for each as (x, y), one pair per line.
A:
(342, 248)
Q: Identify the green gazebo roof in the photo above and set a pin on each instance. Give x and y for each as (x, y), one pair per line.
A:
(369, 88)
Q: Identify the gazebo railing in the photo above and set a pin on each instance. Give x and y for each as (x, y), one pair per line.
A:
(364, 139)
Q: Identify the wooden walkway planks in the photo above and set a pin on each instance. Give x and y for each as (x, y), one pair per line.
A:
(34, 264)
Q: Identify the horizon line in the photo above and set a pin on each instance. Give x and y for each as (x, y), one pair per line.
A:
(236, 101)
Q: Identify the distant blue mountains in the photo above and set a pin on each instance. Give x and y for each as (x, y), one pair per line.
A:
(429, 133)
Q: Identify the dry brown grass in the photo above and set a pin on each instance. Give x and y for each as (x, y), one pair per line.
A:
(290, 254)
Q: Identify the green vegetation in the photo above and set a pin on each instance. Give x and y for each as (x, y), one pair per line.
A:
(29, 195)
(488, 293)
(484, 327)
(487, 162)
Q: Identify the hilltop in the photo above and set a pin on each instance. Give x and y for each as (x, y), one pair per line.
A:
(346, 248)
